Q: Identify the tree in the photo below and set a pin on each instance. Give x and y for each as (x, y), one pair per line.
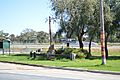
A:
(93, 29)
(12, 38)
(115, 6)
(42, 37)
(111, 14)
(3, 35)
(73, 16)
(110, 29)
(28, 36)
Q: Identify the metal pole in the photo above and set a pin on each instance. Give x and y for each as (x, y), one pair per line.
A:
(50, 29)
(102, 35)
(9, 47)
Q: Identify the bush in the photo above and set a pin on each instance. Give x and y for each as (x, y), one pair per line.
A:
(59, 51)
(79, 53)
(68, 50)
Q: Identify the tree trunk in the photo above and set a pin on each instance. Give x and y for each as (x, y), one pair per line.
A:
(91, 38)
(89, 54)
(80, 42)
(68, 37)
(106, 48)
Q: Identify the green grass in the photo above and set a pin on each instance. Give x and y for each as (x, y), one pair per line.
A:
(113, 63)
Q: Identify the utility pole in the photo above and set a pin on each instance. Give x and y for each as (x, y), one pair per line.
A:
(102, 33)
(50, 30)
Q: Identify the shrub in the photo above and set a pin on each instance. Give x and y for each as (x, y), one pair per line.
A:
(79, 52)
(68, 50)
(59, 51)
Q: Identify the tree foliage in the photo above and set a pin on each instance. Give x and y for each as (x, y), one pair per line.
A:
(30, 36)
(74, 16)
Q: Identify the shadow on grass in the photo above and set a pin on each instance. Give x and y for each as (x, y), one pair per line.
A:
(109, 58)
(97, 65)
(20, 55)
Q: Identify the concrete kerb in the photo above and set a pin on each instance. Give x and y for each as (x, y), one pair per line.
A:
(66, 68)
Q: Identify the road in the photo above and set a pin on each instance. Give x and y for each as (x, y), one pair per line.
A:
(12, 76)
(20, 72)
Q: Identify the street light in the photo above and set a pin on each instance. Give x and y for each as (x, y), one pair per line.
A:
(102, 34)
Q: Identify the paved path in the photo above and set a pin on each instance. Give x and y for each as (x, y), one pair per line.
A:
(23, 72)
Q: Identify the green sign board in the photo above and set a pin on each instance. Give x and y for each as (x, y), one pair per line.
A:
(6, 44)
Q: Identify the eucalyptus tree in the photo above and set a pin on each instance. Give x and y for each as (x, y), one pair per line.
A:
(111, 14)
(115, 6)
(93, 28)
(27, 35)
(3, 35)
(12, 38)
(74, 16)
(110, 9)
(42, 37)
(108, 18)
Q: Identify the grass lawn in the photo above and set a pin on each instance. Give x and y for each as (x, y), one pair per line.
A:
(113, 63)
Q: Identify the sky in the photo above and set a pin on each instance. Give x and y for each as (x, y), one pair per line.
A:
(17, 15)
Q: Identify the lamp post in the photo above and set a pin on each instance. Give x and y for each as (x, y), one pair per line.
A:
(50, 29)
(102, 33)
